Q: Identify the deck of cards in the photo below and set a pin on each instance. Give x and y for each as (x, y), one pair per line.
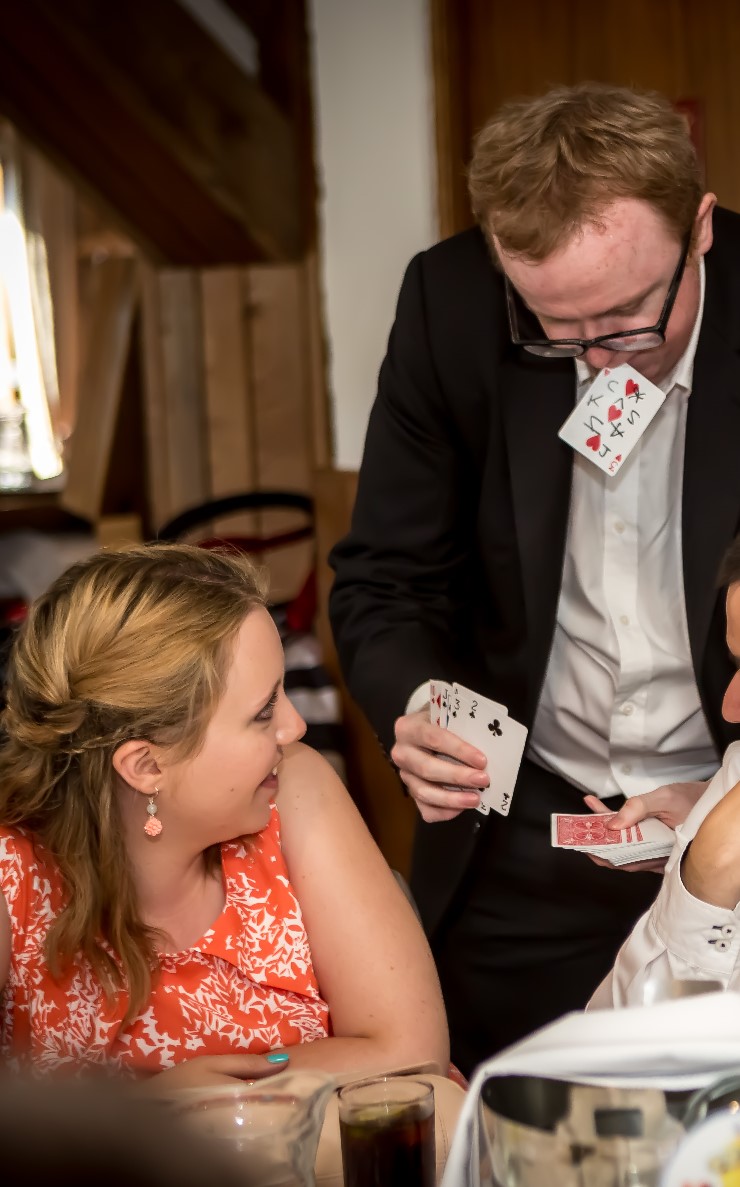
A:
(589, 833)
(487, 725)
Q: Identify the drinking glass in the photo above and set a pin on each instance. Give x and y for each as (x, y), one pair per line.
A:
(270, 1126)
(387, 1131)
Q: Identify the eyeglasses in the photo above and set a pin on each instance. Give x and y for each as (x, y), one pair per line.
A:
(626, 340)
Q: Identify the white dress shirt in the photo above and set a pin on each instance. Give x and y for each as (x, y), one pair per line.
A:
(620, 710)
(680, 936)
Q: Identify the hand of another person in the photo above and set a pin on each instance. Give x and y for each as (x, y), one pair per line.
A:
(711, 864)
(670, 803)
(206, 1071)
(441, 789)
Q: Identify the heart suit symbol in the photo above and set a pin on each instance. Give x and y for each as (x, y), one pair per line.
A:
(614, 413)
(631, 387)
(594, 442)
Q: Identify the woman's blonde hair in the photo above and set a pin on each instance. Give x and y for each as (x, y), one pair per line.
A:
(125, 644)
(543, 168)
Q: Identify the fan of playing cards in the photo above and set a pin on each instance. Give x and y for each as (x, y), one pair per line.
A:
(589, 833)
(487, 725)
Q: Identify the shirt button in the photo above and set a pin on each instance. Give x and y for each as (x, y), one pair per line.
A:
(627, 710)
(627, 768)
(619, 527)
(721, 945)
(728, 931)
(624, 619)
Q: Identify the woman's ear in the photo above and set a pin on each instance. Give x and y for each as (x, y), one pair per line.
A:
(137, 765)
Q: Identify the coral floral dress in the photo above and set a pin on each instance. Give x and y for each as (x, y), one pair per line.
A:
(247, 986)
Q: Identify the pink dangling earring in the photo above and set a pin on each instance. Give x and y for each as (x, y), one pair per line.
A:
(153, 826)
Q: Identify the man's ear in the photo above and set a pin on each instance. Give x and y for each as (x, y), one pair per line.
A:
(703, 233)
(137, 765)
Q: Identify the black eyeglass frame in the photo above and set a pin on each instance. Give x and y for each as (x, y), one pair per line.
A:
(581, 345)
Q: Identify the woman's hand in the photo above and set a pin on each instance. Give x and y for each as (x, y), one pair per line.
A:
(207, 1071)
(671, 804)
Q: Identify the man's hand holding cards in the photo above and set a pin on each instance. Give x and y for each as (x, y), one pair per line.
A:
(487, 726)
(589, 833)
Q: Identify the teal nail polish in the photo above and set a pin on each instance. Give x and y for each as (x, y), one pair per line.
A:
(278, 1057)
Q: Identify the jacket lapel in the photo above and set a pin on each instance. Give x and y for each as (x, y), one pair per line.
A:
(538, 395)
(711, 486)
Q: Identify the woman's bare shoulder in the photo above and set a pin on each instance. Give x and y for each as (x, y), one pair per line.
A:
(306, 771)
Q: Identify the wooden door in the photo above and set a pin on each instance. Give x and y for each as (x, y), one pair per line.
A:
(487, 51)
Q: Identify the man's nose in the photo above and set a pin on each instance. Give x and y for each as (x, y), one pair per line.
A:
(598, 358)
(731, 702)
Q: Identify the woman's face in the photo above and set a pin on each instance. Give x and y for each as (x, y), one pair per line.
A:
(224, 791)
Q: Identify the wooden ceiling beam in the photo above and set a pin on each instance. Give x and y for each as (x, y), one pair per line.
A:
(199, 162)
(280, 28)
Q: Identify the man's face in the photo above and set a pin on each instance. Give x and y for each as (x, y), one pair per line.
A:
(615, 276)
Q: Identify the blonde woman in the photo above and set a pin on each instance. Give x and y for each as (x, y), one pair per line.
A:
(186, 890)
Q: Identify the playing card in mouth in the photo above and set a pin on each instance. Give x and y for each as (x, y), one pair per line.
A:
(608, 422)
(487, 726)
(588, 833)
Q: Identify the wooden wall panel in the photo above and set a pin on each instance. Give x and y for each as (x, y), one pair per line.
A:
(231, 380)
(282, 409)
(108, 343)
(156, 437)
(452, 123)
(184, 386)
(231, 443)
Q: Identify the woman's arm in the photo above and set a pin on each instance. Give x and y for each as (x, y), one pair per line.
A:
(370, 956)
(692, 931)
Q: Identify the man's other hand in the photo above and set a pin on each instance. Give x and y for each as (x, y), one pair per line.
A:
(441, 788)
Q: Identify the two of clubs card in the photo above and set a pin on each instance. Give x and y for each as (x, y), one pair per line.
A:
(486, 725)
(589, 834)
(607, 423)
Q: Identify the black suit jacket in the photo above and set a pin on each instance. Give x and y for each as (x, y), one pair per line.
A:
(453, 564)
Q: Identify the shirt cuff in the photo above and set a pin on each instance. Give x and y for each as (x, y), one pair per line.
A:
(702, 935)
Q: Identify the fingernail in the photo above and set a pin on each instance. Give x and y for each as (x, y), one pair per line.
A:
(278, 1057)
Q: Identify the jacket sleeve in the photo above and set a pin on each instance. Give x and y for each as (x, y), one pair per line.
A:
(400, 572)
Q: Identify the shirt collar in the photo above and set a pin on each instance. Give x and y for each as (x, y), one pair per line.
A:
(682, 374)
